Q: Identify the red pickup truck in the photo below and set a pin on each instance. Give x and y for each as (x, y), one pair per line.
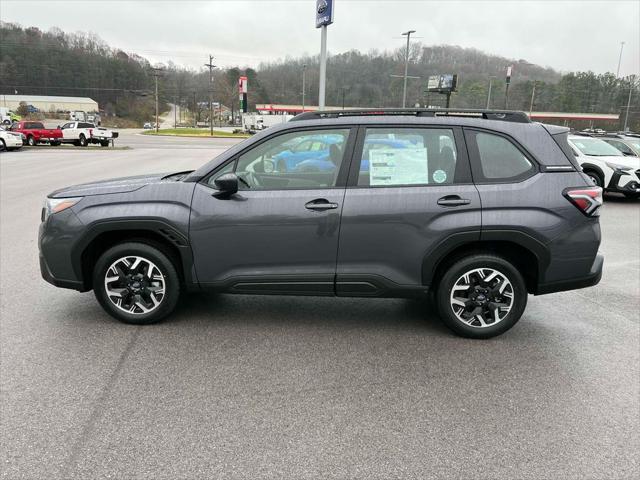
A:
(35, 133)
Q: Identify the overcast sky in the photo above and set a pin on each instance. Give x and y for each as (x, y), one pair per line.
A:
(565, 35)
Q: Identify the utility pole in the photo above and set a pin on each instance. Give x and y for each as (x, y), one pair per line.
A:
(343, 90)
(632, 81)
(619, 59)
(406, 68)
(156, 74)
(211, 67)
(304, 71)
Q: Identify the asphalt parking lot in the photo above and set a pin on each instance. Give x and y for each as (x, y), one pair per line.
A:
(291, 387)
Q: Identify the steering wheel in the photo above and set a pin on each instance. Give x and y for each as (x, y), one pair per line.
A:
(249, 179)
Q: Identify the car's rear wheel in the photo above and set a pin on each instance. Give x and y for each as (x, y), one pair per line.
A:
(481, 296)
(136, 283)
(632, 195)
(3, 146)
(55, 144)
(104, 143)
(82, 141)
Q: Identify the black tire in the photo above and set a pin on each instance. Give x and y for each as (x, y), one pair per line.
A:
(161, 262)
(3, 146)
(632, 195)
(55, 144)
(467, 264)
(104, 143)
(82, 141)
(31, 141)
(596, 178)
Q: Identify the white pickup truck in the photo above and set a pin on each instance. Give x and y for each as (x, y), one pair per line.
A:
(84, 133)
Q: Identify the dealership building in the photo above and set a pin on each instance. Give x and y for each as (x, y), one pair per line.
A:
(48, 103)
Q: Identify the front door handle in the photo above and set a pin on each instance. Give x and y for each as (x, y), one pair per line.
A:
(453, 201)
(320, 204)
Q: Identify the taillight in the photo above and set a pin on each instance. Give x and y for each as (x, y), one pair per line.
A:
(90, 132)
(587, 199)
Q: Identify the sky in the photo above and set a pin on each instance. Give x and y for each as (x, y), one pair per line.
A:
(566, 35)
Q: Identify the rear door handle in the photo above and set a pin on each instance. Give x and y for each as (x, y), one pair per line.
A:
(320, 204)
(453, 201)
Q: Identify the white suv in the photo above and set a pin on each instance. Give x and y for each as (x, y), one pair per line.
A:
(606, 165)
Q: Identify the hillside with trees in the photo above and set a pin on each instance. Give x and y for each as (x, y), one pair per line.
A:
(58, 63)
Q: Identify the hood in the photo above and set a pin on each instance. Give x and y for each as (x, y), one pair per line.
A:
(632, 162)
(116, 185)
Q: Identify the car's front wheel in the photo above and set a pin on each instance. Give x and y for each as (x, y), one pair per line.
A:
(481, 296)
(136, 283)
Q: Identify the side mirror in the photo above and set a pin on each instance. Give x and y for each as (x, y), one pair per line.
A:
(58, 127)
(227, 185)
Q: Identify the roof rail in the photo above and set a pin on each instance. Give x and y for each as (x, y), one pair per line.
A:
(504, 115)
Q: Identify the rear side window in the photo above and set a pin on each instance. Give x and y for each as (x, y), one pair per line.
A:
(499, 159)
(407, 156)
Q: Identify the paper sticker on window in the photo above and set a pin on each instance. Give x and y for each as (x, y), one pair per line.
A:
(398, 166)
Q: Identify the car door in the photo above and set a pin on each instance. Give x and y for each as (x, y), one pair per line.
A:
(409, 197)
(69, 131)
(279, 233)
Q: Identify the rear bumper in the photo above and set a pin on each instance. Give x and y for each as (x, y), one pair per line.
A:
(589, 280)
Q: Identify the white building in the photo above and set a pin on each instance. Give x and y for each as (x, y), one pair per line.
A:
(48, 103)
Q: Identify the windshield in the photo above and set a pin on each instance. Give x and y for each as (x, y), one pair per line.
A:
(596, 147)
(635, 144)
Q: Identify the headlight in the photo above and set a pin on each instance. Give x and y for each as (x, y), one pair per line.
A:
(615, 166)
(55, 205)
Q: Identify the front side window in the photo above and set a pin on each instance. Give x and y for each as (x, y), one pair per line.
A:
(309, 159)
(499, 158)
(407, 156)
(620, 146)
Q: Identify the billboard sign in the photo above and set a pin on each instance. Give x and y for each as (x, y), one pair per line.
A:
(242, 93)
(442, 83)
(509, 74)
(324, 13)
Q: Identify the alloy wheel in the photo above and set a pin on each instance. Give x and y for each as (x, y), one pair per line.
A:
(482, 297)
(135, 285)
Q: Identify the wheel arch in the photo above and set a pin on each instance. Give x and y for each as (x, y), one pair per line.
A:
(103, 235)
(595, 168)
(525, 253)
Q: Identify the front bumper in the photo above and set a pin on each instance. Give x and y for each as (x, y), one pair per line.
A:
(58, 282)
(589, 280)
(622, 182)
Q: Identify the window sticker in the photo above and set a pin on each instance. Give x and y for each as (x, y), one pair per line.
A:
(439, 176)
(398, 166)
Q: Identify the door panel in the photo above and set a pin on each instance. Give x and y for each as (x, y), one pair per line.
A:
(266, 240)
(387, 233)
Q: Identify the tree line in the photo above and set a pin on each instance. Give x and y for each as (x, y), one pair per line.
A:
(36, 62)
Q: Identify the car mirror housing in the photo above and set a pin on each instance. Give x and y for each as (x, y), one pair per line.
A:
(226, 185)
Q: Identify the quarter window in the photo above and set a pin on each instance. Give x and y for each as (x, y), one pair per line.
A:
(499, 158)
(407, 156)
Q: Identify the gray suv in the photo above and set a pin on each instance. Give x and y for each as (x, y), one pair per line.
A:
(476, 208)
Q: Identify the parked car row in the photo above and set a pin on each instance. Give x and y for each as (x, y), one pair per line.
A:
(612, 161)
(77, 133)
(10, 140)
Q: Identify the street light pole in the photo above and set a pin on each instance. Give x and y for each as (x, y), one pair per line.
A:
(406, 68)
(304, 71)
(489, 94)
(632, 81)
(619, 59)
(533, 94)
